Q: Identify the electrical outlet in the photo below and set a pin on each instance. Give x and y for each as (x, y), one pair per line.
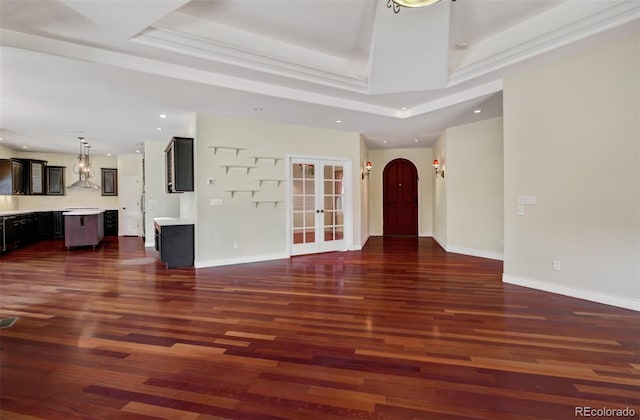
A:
(211, 181)
(556, 265)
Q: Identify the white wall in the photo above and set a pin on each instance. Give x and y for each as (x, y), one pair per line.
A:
(571, 138)
(364, 191)
(158, 203)
(259, 232)
(440, 192)
(474, 181)
(421, 158)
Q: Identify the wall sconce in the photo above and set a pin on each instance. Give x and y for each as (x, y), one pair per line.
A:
(368, 167)
(436, 166)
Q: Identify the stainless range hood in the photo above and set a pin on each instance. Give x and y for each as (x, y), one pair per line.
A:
(82, 184)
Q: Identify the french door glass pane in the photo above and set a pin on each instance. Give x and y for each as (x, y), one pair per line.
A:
(304, 203)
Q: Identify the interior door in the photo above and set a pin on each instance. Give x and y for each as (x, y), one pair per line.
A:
(130, 220)
(400, 193)
(317, 205)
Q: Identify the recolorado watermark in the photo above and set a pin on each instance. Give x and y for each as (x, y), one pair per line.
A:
(604, 412)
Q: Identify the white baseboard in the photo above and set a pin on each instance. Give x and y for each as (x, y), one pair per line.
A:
(240, 260)
(150, 244)
(425, 234)
(482, 253)
(440, 242)
(577, 293)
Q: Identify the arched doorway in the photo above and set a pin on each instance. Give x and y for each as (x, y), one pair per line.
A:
(400, 198)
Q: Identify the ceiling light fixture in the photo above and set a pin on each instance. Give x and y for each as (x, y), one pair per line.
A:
(397, 4)
(163, 115)
(83, 169)
(338, 121)
(477, 111)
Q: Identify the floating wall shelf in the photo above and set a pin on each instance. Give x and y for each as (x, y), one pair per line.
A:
(257, 158)
(216, 148)
(233, 192)
(278, 181)
(227, 167)
(275, 203)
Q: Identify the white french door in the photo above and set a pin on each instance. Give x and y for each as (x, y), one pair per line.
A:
(318, 205)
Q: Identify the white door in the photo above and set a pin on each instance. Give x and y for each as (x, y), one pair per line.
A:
(317, 203)
(130, 208)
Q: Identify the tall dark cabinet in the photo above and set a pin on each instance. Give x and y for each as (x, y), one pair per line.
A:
(179, 164)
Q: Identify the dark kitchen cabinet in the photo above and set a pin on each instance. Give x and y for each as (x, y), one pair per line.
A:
(19, 230)
(45, 225)
(36, 171)
(55, 180)
(12, 232)
(111, 223)
(175, 244)
(109, 178)
(2, 247)
(58, 225)
(12, 177)
(179, 164)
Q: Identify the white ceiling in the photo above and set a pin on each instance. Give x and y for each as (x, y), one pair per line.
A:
(106, 69)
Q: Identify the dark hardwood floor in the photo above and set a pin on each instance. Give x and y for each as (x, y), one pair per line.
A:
(400, 330)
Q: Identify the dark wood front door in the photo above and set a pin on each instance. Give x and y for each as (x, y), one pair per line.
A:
(400, 198)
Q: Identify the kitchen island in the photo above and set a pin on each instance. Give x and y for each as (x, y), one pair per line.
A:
(83, 227)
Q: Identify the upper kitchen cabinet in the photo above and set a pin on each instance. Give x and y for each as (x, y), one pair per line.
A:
(179, 160)
(55, 180)
(12, 177)
(109, 181)
(36, 171)
(22, 176)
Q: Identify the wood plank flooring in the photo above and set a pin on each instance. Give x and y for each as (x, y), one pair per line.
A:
(399, 330)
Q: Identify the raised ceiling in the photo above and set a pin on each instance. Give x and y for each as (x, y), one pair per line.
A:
(107, 69)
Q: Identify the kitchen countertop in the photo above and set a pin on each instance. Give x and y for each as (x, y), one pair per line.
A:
(82, 212)
(65, 209)
(169, 221)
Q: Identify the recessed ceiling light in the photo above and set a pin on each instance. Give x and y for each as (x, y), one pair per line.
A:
(338, 121)
(163, 115)
(1, 138)
(477, 111)
(159, 128)
(108, 154)
(384, 141)
(404, 108)
(415, 140)
(137, 151)
(25, 147)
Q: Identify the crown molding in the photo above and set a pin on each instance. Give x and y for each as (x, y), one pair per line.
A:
(557, 27)
(292, 62)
